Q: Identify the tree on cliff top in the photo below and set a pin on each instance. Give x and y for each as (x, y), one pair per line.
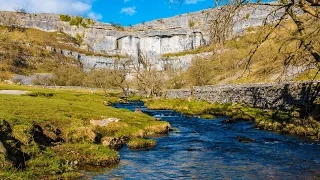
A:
(304, 14)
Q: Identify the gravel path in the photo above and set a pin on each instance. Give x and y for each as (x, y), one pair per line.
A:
(14, 92)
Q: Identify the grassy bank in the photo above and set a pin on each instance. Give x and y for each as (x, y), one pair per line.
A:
(47, 133)
(282, 121)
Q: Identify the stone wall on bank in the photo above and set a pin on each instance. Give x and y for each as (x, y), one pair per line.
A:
(283, 96)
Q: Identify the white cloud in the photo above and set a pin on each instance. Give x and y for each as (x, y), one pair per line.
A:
(129, 10)
(192, 1)
(95, 16)
(72, 7)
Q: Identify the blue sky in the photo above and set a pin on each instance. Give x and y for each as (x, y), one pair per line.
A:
(137, 11)
(125, 12)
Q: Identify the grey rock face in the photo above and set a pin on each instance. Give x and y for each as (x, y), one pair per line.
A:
(152, 39)
(181, 62)
(270, 96)
(112, 142)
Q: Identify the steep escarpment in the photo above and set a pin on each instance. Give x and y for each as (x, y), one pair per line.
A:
(150, 39)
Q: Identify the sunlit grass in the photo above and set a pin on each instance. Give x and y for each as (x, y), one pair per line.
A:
(284, 121)
(66, 114)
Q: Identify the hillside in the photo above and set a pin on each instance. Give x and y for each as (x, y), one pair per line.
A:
(43, 43)
(28, 51)
(227, 63)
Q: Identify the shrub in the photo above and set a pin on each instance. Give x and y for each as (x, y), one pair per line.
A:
(79, 39)
(199, 73)
(76, 21)
(246, 17)
(117, 26)
(5, 75)
(191, 23)
(89, 21)
(65, 18)
(68, 76)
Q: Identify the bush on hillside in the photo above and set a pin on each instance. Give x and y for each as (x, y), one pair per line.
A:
(65, 18)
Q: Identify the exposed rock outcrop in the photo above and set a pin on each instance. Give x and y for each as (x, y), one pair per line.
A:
(112, 142)
(150, 39)
(104, 122)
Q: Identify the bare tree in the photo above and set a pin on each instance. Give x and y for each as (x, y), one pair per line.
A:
(303, 13)
(112, 78)
(19, 10)
(149, 79)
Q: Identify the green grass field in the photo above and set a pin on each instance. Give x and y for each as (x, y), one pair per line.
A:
(63, 116)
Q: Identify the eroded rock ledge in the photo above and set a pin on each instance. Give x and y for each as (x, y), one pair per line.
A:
(152, 39)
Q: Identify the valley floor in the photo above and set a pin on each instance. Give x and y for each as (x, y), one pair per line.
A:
(49, 134)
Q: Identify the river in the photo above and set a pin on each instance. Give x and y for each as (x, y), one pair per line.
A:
(209, 149)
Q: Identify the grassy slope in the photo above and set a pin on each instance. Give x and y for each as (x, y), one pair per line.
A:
(29, 47)
(229, 61)
(287, 122)
(25, 52)
(70, 113)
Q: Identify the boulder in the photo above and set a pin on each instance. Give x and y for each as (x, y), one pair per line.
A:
(244, 139)
(104, 122)
(112, 142)
(229, 121)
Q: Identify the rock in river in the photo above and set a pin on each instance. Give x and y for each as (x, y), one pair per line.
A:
(244, 139)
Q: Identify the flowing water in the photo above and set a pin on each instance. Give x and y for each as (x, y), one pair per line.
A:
(209, 149)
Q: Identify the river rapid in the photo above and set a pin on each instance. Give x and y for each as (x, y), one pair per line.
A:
(210, 149)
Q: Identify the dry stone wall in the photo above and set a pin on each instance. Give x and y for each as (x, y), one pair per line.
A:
(270, 96)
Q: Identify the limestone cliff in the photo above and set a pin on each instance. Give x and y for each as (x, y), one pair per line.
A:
(150, 39)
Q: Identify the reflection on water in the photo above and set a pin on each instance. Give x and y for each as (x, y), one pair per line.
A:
(208, 149)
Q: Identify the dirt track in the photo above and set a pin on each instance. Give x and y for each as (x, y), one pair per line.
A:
(14, 92)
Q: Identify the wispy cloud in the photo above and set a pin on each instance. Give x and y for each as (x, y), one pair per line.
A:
(72, 7)
(126, 1)
(192, 1)
(129, 10)
(95, 16)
